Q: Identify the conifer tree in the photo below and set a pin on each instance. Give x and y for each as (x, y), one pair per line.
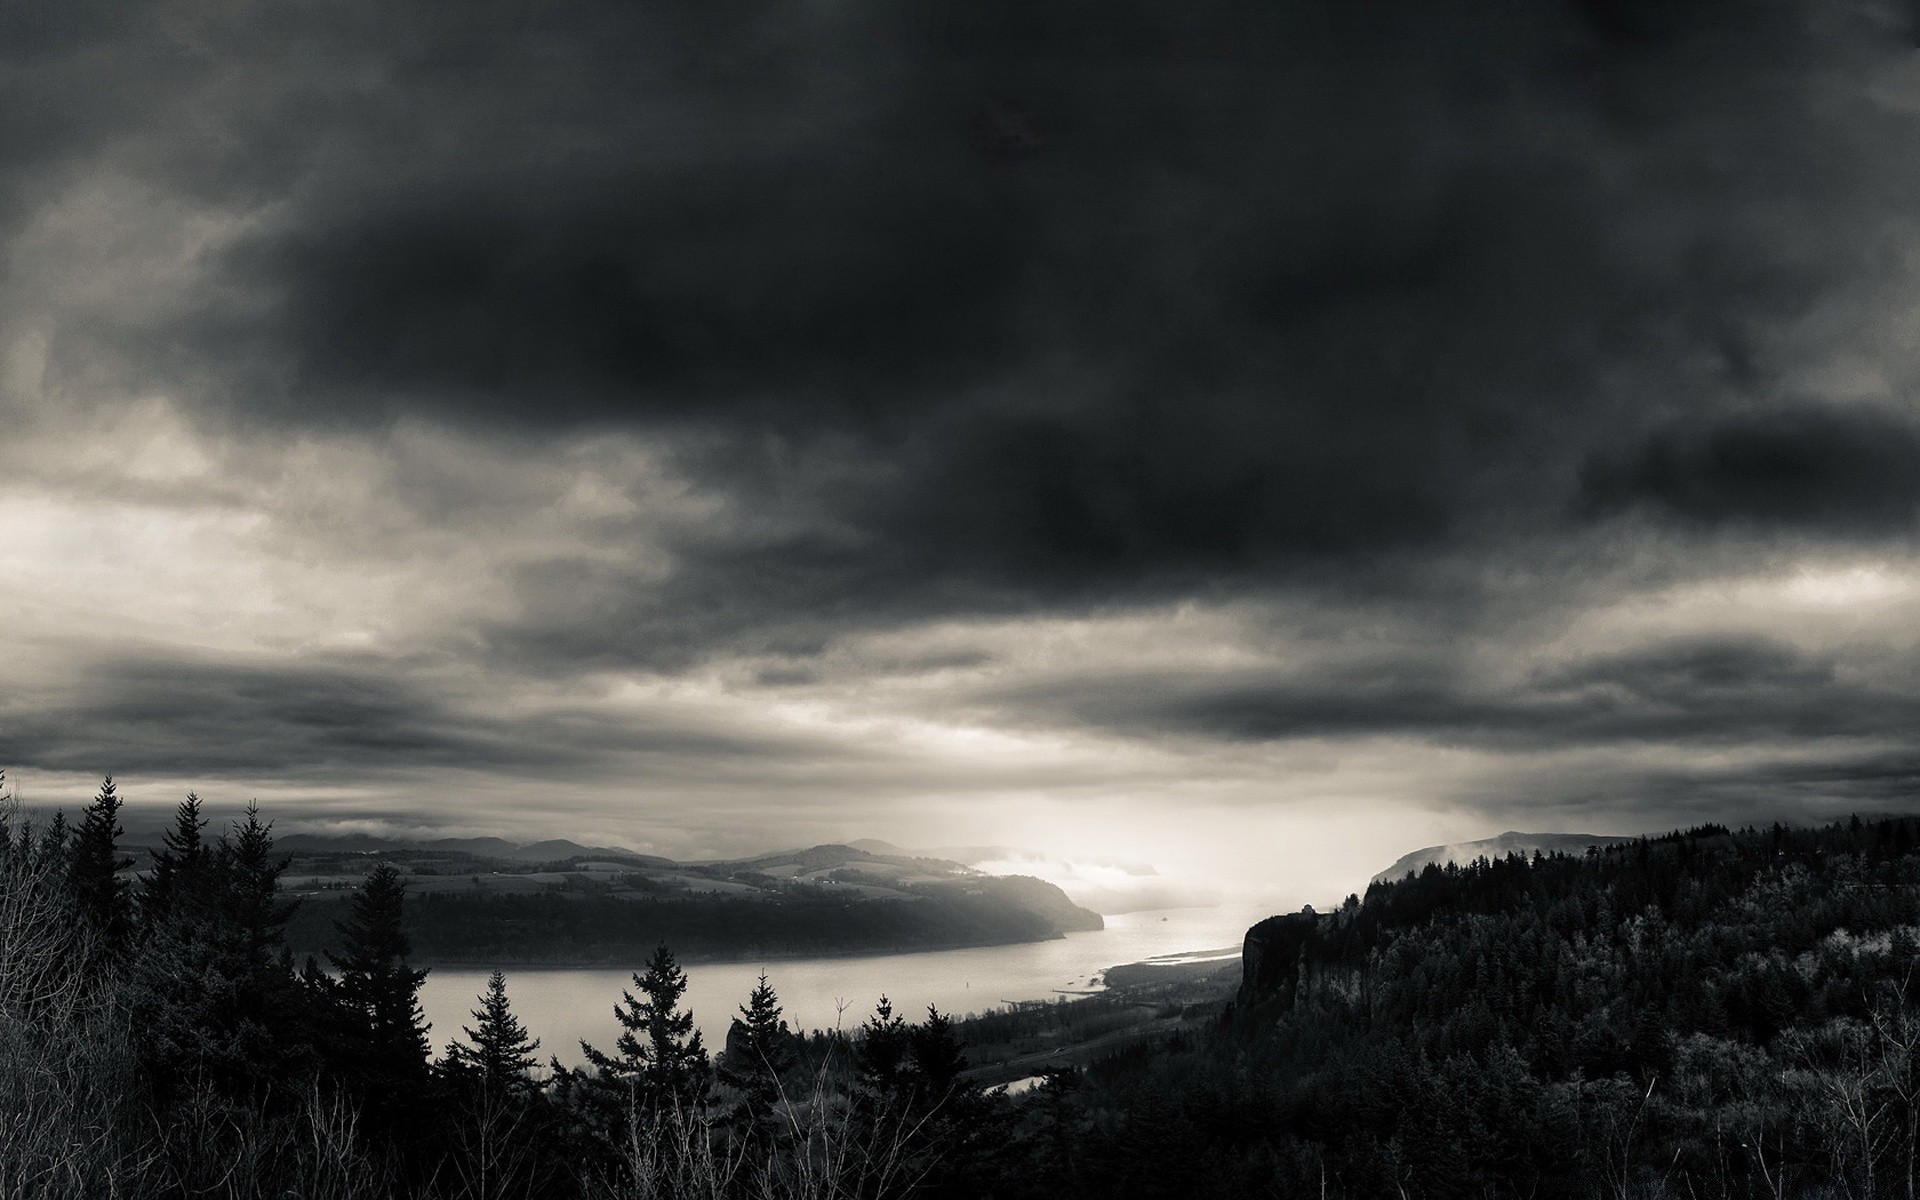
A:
(377, 996)
(250, 878)
(938, 1057)
(212, 988)
(763, 1051)
(180, 866)
(100, 895)
(881, 1055)
(56, 844)
(659, 1052)
(957, 1125)
(499, 1053)
(268, 1001)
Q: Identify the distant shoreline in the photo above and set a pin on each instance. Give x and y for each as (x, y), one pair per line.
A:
(722, 960)
(1174, 968)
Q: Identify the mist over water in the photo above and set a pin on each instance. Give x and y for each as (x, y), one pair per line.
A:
(560, 1006)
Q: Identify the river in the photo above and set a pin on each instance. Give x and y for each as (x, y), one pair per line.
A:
(562, 1005)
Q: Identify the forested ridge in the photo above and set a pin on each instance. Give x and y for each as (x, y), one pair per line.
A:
(1710, 1013)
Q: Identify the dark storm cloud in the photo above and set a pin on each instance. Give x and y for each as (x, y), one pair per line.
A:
(51, 109)
(1115, 296)
(606, 213)
(165, 715)
(649, 303)
(1832, 471)
(1739, 692)
(1437, 323)
(1818, 782)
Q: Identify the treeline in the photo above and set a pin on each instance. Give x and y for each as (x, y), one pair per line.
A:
(159, 1039)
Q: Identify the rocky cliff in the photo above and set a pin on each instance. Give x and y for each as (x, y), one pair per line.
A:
(1271, 961)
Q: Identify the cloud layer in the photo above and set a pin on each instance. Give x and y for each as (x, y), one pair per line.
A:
(849, 420)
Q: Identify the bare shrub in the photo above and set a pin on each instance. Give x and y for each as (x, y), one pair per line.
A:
(68, 1121)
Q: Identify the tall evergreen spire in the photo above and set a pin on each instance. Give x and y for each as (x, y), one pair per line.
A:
(759, 1048)
(499, 1051)
(379, 991)
(179, 871)
(99, 893)
(251, 876)
(659, 1050)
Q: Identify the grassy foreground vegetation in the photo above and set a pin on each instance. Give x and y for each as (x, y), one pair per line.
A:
(1712, 1013)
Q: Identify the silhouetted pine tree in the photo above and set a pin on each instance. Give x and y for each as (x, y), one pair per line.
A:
(179, 866)
(881, 1052)
(961, 1135)
(505, 1134)
(659, 1054)
(498, 1053)
(763, 1050)
(938, 1057)
(376, 1002)
(275, 1026)
(250, 878)
(213, 990)
(56, 843)
(99, 894)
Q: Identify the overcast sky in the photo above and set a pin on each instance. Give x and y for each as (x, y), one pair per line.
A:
(1255, 438)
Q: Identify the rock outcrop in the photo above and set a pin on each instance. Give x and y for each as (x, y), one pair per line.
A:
(1272, 961)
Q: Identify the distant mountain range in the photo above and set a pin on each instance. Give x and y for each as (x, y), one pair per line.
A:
(1500, 846)
(558, 901)
(551, 850)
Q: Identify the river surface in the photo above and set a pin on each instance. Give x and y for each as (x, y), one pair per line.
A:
(562, 1005)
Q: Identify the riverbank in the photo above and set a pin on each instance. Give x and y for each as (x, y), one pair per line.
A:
(1143, 1002)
